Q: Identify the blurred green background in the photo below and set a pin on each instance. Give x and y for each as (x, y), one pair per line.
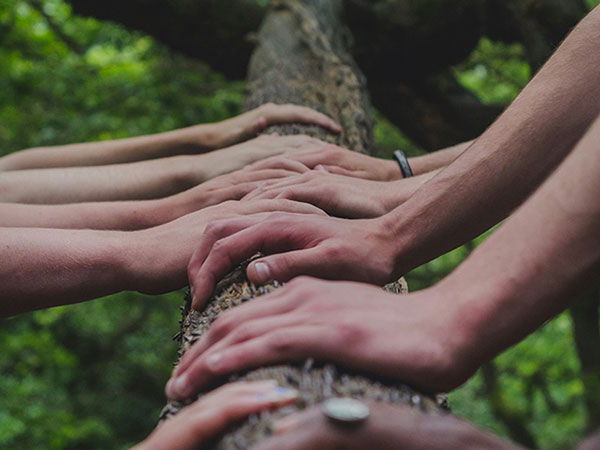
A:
(89, 376)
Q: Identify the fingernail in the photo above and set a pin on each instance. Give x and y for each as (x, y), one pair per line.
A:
(263, 274)
(177, 387)
(282, 425)
(278, 395)
(214, 361)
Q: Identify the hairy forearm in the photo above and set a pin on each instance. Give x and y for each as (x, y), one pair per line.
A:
(534, 264)
(195, 139)
(504, 165)
(437, 160)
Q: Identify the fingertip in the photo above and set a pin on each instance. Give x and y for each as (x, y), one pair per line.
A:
(321, 168)
(259, 272)
(260, 123)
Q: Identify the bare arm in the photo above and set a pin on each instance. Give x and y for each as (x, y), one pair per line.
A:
(529, 270)
(137, 214)
(140, 180)
(190, 140)
(502, 167)
(42, 267)
(437, 160)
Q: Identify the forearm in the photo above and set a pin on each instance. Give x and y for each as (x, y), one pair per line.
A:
(132, 181)
(195, 139)
(126, 215)
(437, 160)
(510, 159)
(532, 267)
(40, 268)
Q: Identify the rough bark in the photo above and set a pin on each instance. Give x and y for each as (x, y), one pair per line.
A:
(301, 58)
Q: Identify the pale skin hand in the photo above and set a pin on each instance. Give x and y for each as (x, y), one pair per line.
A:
(42, 267)
(482, 186)
(340, 161)
(340, 195)
(525, 273)
(190, 140)
(214, 413)
(387, 427)
(141, 180)
(138, 214)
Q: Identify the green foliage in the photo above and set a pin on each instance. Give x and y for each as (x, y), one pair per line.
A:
(496, 72)
(91, 375)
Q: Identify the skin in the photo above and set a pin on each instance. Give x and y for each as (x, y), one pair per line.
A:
(139, 214)
(41, 267)
(144, 179)
(529, 270)
(190, 140)
(481, 187)
(387, 427)
(341, 195)
(340, 161)
(212, 414)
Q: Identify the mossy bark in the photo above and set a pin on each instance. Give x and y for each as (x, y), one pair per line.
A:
(301, 57)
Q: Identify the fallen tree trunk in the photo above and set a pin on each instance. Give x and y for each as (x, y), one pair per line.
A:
(302, 58)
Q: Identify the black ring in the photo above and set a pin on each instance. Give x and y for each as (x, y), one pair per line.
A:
(400, 157)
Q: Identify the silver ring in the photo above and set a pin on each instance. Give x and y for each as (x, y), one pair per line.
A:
(345, 410)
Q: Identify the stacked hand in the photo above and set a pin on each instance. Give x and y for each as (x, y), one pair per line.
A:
(338, 195)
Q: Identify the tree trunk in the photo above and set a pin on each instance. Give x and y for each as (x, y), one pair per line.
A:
(302, 58)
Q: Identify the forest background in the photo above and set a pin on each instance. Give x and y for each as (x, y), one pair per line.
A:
(88, 375)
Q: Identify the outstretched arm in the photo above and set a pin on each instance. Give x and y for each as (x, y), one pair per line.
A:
(42, 267)
(190, 140)
(140, 180)
(526, 272)
(481, 187)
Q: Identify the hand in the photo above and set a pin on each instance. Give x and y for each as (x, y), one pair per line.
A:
(337, 195)
(156, 258)
(230, 186)
(415, 338)
(340, 161)
(326, 247)
(387, 427)
(240, 155)
(248, 124)
(214, 412)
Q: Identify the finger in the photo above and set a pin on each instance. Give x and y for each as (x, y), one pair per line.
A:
(215, 411)
(268, 305)
(337, 170)
(285, 266)
(285, 344)
(293, 113)
(281, 204)
(279, 162)
(229, 251)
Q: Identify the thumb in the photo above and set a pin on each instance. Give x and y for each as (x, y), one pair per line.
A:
(285, 266)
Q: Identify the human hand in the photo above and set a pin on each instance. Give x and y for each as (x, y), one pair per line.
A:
(248, 124)
(214, 412)
(337, 195)
(230, 186)
(156, 258)
(415, 338)
(387, 427)
(340, 161)
(325, 247)
(249, 152)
